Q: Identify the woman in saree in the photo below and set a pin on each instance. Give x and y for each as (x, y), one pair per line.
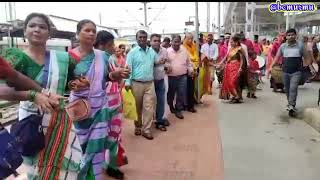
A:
(61, 157)
(105, 42)
(97, 134)
(275, 81)
(193, 96)
(232, 72)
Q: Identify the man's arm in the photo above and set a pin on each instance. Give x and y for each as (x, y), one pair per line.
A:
(216, 53)
(130, 64)
(190, 65)
(307, 54)
(276, 58)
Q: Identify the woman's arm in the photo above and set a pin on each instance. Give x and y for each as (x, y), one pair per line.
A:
(22, 83)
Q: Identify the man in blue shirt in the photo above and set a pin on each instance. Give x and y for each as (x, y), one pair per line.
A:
(141, 59)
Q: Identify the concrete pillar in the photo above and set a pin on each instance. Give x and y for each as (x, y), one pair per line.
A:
(247, 17)
(253, 23)
(250, 8)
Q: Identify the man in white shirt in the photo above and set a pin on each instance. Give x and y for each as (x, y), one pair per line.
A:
(209, 53)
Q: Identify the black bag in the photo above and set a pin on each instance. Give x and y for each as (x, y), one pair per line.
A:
(30, 134)
(305, 75)
(10, 155)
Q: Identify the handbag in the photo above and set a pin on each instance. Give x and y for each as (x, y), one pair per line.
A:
(277, 74)
(29, 132)
(305, 75)
(80, 109)
(10, 155)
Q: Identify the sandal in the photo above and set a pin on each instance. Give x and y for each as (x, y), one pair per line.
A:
(137, 132)
(161, 127)
(235, 101)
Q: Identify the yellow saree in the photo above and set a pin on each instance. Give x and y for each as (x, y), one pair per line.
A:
(194, 55)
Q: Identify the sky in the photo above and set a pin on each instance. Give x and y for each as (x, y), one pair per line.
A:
(165, 17)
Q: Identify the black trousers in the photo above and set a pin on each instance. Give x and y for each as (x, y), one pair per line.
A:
(191, 101)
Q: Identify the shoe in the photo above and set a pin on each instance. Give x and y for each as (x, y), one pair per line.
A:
(161, 127)
(192, 110)
(254, 96)
(166, 122)
(137, 132)
(117, 174)
(248, 95)
(147, 136)
(179, 115)
(172, 109)
(292, 113)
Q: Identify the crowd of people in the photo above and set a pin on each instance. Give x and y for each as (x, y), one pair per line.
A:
(168, 76)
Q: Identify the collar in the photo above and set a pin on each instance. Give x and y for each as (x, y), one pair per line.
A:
(141, 49)
(294, 44)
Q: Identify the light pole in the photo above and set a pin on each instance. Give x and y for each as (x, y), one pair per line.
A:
(145, 14)
(219, 30)
(208, 17)
(197, 42)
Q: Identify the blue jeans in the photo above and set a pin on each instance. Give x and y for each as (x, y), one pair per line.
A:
(177, 84)
(160, 93)
(291, 83)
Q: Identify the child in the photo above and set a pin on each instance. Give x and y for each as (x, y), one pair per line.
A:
(253, 75)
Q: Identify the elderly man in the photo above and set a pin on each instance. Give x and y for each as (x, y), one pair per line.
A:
(182, 66)
(209, 55)
(141, 59)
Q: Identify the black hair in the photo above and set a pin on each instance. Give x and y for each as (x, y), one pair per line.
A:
(141, 32)
(82, 23)
(103, 37)
(122, 46)
(236, 38)
(291, 31)
(166, 39)
(40, 15)
(155, 35)
(176, 36)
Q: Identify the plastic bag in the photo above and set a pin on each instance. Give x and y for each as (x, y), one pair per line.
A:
(129, 105)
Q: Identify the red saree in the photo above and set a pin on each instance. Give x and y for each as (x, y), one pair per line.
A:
(231, 75)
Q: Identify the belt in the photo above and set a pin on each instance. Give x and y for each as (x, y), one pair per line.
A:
(142, 81)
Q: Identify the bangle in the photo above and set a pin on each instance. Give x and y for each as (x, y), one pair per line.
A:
(33, 95)
(45, 91)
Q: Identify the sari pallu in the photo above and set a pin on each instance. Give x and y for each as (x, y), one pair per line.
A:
(95, 133)
(115, 99)
(61, 157)
(231, 75)
(199, 81)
